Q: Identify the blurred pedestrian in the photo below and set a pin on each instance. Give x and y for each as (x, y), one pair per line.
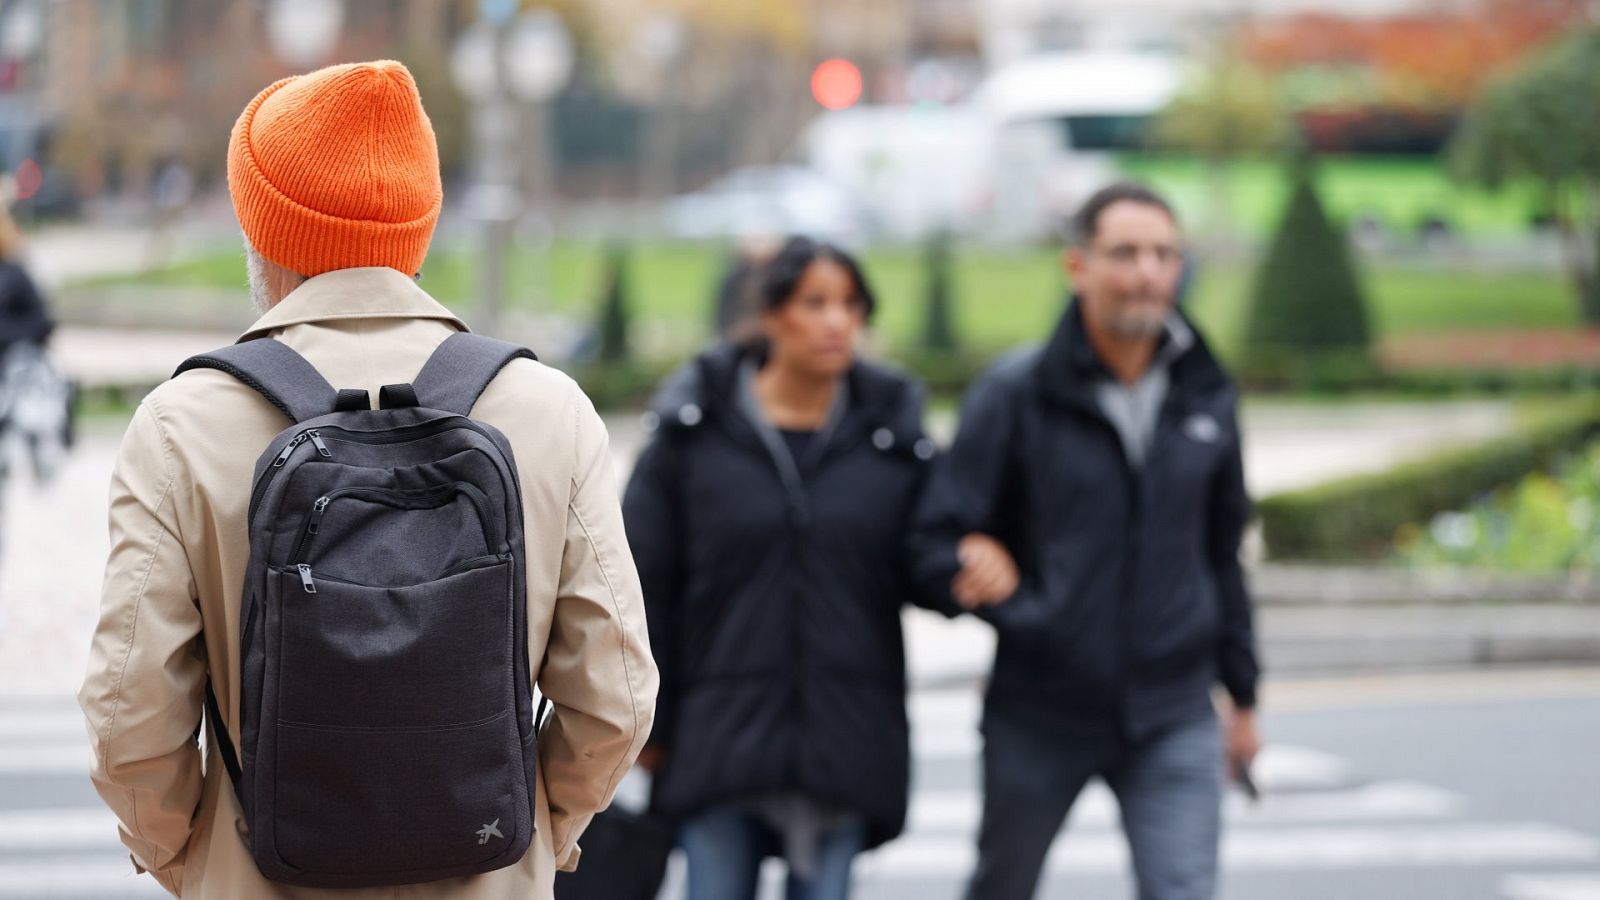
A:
(767, 517)
(24, 317)
(738, 301)
(384, 768)
(35, 399)
(170, 195)
(1091, 508)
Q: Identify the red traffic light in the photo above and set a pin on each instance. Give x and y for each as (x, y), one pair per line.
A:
(836, 84)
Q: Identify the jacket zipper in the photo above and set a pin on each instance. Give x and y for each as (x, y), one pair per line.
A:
(1136, 478)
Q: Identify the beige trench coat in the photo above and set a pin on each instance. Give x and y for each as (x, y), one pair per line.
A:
(170, 605)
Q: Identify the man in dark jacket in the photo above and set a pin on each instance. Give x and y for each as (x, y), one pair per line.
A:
(1091, 508)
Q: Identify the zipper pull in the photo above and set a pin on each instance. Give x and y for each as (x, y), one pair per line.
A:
(289, 449)
(316, 441)
(305, 578)
(317, 510)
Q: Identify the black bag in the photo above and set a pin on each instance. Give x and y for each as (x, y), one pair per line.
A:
(386, 730)
(624, 858)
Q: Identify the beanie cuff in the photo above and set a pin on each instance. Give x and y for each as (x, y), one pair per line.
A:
(304, 240)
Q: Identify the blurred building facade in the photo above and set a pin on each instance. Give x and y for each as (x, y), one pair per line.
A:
(1014, 29)
(105, 95)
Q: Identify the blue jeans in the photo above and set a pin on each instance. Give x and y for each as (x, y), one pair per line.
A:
(725, 847)
(1169, 786)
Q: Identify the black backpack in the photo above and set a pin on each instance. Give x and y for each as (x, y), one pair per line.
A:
(386, 729)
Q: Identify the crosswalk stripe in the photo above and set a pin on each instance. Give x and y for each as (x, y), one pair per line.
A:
(59, 828)
(1552, 886)
(1286, 767)
(46, 759)
(40, 724)
(1277, 768)
(1276, 849)
(959, 810)
(67, 876)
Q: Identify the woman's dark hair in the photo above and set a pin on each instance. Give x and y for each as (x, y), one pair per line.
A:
(784, 272)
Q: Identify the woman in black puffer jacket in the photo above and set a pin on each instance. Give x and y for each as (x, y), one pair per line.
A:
(767, 517)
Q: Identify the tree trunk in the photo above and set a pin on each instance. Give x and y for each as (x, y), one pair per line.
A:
(1589, 286)
(1579, 246)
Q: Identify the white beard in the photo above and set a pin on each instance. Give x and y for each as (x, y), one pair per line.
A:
(269, 282)
(255, 267)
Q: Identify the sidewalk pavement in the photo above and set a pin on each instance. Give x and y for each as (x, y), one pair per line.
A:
(54, 547)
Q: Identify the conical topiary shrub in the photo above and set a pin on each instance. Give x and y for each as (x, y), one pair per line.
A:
(939, 329)
(1307, 307)
(614, 311)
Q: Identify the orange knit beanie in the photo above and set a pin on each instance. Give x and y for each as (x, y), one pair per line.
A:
(337, 169)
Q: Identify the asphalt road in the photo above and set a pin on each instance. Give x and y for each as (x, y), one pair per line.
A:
(1472, 786)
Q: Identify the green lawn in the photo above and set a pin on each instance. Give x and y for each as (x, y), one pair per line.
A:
(1003, 297)
(1400, 191)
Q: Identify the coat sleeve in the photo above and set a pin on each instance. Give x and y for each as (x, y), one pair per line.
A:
(1236, 647)
(652, 509)
(966, 494)
(597, 671)
(141, 696)
(23, 314)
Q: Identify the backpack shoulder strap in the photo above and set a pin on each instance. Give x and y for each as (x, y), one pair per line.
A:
(459, 370)
(274, 370)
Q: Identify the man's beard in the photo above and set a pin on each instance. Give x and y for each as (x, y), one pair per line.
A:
(255, 270)
(1147, 321)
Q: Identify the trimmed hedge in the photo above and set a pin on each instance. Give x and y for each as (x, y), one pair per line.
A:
(1356, 518)
(620, 386)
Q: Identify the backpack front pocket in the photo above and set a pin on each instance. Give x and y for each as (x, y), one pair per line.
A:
(353, 801)
(424, 655)
(393, 537)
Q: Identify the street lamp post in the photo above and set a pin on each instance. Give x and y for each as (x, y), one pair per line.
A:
(304, 32)
(502, 59)
(657, 46)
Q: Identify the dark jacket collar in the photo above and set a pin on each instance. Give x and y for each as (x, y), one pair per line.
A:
(706, 390)
(1069, 368)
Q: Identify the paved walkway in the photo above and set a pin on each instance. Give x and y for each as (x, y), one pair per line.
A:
(55, 540)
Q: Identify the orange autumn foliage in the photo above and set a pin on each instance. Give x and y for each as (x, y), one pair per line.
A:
(1438, 61)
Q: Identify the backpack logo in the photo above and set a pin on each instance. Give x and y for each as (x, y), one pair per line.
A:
(488, 831)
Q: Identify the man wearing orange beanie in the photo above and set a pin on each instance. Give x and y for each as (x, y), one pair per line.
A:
(335, 180)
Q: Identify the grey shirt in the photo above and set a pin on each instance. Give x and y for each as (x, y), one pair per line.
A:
(1135, 408)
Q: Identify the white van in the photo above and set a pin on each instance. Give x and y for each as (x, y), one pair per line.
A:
(1033, 140)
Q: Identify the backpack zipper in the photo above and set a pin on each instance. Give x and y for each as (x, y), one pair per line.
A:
(477, 562)
(310, 434)
(420, 499)
(308, 579)
(394, 436)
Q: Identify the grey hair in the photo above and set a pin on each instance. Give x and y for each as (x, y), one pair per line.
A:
(269, 282)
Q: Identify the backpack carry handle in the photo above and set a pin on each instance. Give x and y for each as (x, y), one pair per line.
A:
(396, 396)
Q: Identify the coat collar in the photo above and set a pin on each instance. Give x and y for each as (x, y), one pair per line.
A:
(707, 390)
(1069, 368)
(373, 292)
